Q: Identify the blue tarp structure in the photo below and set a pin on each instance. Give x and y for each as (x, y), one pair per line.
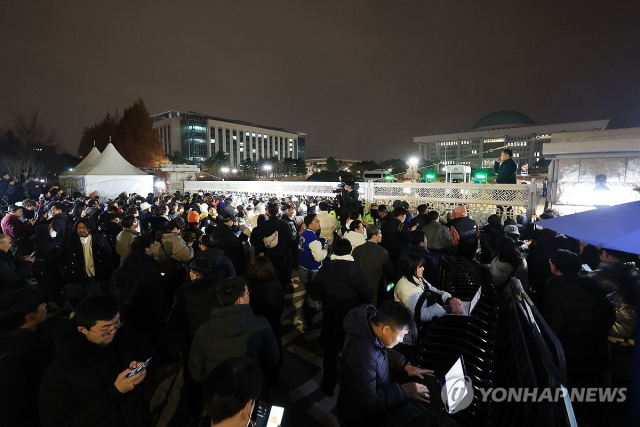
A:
(614, 227)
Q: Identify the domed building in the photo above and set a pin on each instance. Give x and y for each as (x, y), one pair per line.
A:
(479, 146)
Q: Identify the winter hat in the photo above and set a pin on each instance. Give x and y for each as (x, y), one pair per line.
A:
(193, 216)
(511, 229)
(144, 206)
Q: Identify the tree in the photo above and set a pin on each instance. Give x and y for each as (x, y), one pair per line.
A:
(213, 164)
(396, 165)
(132, 135)
(28, 147)
(137, 140)
(332, 164)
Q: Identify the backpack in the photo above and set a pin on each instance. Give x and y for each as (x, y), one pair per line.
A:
(271, 241)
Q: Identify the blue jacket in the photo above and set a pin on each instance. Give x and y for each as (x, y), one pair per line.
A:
(305, 257)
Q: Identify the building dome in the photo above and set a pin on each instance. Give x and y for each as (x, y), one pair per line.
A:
(503, 119)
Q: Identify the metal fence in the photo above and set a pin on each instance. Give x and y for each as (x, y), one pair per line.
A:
(481, 200)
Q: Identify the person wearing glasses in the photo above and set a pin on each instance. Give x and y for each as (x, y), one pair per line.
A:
(87, 384)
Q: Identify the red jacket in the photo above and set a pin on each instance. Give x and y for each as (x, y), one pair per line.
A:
(14, 228)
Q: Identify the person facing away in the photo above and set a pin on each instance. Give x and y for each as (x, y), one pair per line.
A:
(341, 285)
(231, 393)
(438, 236)
(368, 397)
(233, 331)
(464, 232)
(374, 261)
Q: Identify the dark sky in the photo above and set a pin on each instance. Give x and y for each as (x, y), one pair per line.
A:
(359, 77)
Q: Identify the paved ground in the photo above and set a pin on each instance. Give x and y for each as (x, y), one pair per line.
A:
(299, 391)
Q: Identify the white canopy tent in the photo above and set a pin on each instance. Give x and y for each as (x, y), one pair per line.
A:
(87, 163)
(109, 174)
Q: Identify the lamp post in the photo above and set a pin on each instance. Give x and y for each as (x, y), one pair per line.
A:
(413, 164)
(267, 169)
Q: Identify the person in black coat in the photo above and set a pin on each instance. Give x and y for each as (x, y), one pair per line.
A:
(396, 235)
(47, 268)
(229, 243)
(341, 286)
(490, 234)
(144, 308)
(86, 258)
(267, 300)
(13, 275)
(25, 355)
(222, 265)
(58, 221)
(279, 254)
(87, 384)
(580, 315)
(192, 307)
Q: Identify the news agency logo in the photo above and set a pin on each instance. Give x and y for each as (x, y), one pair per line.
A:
(457, 394)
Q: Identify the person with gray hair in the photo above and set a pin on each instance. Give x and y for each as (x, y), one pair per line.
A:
(375, 263)
(13, 274)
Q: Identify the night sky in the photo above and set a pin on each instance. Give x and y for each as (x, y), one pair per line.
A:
(359, 77)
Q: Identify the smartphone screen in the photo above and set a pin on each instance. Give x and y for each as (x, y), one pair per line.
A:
(275, 416)
(138, 368)
(586, 267)
(32, 255)
(262, 410)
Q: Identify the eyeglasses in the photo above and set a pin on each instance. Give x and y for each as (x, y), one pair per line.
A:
(111, 329)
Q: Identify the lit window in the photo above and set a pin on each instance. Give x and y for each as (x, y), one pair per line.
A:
(253, 134)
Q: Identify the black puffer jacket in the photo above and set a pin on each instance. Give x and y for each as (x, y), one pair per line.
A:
(24, 356)
(341, 286)
(222, 265)
(621, 283)
(13, 275)
(367, 395)
(578, 312)
(193, 305)
(232, 332)
(78, 388)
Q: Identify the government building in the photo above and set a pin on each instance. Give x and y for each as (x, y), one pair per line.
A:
(198, 136)
(479, 146)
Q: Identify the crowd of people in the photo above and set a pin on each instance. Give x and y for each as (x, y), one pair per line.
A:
(91, 288)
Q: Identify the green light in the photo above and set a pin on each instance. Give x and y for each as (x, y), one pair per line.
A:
(388, 177)
(481, 176)
(430, 176)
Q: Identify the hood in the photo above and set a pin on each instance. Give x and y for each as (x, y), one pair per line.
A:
(232, 321)
(212, 254)
(340, 269)
(356, 323)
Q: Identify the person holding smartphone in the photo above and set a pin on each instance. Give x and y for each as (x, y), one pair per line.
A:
(89, 384)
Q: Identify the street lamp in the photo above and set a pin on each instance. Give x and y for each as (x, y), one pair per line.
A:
(413, 164)
(234, 170)
(224, 170)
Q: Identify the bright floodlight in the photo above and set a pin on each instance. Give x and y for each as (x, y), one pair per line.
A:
(70, 169)
(159, 184)
(267, 167)
(234, 170)
(224, 170)
(413, 161)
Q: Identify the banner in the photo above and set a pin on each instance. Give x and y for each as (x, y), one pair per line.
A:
(72, 183)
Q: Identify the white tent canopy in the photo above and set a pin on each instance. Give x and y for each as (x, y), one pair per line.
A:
(109, 174)
(87, 163)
